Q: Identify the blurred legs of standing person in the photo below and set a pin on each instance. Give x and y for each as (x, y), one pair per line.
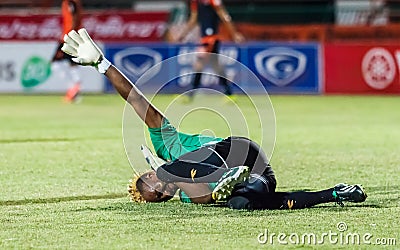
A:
(72, 18)
(208, 15)
(68, 70)
(209, 45)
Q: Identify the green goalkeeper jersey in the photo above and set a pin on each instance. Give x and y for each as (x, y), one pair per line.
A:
(170, 144)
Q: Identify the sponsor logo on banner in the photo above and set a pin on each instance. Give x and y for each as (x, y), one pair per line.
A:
(138, 60)
(35, 71)
(280, 65)
(26, 67)
(378, 68)
(294, 66)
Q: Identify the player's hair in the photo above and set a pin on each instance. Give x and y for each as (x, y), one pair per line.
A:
(135, 187)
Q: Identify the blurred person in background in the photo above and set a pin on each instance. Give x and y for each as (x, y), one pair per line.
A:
(71, 11)
(208, 14)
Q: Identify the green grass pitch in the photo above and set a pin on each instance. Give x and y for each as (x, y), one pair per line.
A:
(63, 175)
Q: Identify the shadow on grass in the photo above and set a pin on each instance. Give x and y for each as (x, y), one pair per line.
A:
(168, 211)
(175, 209)
(375, 200)
(62, 199)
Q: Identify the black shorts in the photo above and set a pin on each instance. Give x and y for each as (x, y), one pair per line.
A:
(228, 153)
(210, 44)
(241, 151)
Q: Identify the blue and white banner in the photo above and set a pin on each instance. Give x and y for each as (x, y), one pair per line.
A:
(286, 68)
(136, 59)
(280, 67)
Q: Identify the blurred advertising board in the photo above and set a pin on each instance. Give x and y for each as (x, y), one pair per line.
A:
(25, 68)
(286, 67)
(108, 26)
(279, 67)
(362, 69)
(136, 60)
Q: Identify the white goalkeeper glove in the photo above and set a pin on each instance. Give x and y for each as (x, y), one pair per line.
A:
(84, 51)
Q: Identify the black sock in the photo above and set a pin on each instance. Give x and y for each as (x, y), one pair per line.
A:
(288, 200)
(297, 200)
(195, 83)
(224, 82)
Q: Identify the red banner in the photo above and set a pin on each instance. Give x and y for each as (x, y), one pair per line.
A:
(362, 69)
(104, 26)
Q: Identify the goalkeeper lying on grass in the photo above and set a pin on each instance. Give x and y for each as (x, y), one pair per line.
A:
(233, 171)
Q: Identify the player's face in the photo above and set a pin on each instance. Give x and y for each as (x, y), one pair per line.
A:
(156, 190)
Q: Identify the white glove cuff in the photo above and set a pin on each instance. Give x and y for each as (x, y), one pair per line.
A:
(103, 66)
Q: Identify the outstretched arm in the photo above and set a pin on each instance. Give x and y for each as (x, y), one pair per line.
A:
(86, 52)
(143, 107)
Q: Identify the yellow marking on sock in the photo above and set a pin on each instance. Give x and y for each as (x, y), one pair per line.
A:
(193, 173)
(290, 204)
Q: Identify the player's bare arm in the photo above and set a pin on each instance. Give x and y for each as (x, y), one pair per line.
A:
(145, 110)
(198, 192)
(86, 52)
(191, 23)
(227, 21)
